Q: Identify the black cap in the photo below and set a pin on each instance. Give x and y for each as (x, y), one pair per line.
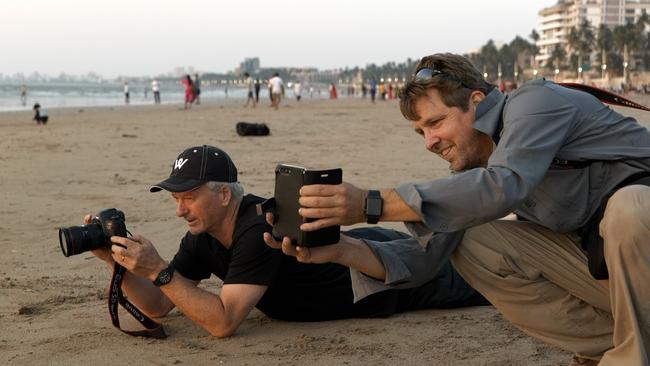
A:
(198, 165)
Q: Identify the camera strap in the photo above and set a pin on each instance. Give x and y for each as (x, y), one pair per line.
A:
(152, 328)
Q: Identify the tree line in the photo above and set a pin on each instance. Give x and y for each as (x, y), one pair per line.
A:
(587, 47)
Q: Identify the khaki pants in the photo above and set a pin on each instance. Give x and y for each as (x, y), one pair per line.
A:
(539, 280)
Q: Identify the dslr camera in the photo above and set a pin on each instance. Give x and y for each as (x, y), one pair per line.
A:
(97, 234)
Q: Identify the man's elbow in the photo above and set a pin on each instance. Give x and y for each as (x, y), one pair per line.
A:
(161, 310)
(222, 330)
(222, 333)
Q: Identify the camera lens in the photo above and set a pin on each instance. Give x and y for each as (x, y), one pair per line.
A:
(78, 239)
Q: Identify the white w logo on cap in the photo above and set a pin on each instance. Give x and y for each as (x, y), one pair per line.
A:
(179, 163)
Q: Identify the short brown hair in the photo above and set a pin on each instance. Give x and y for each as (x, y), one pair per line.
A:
(456, 82)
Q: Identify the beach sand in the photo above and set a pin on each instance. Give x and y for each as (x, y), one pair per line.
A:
(52, 308)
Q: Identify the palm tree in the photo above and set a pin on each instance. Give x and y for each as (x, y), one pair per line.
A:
(534, 50)
(604, 43)
(628, 39)
(644, 38)
(507, 58)
(488, 58)
(557, 58)
(645, 53)
(581, 40)
(522, 50)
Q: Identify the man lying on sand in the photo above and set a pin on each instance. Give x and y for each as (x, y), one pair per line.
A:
(225, 238)
(559, 159)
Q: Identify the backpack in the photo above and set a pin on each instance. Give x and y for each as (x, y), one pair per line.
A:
(252, 129)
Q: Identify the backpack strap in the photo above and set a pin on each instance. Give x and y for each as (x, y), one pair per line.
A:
(606, 96)
(602, 95)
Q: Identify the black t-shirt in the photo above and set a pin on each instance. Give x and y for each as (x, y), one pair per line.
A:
(296, 291)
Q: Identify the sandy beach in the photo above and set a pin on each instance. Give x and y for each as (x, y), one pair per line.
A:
(52, 308)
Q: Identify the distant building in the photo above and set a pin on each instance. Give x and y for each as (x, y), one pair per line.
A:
(556, 21)
(250, 65)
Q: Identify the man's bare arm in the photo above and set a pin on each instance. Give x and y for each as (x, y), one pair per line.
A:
(220, 315)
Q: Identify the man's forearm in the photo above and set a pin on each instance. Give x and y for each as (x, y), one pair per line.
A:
(202, 307)
(395, 209)
(144, 295)
(357, 255)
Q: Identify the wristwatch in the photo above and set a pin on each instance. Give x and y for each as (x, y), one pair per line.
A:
(164, 277)
(374, 207)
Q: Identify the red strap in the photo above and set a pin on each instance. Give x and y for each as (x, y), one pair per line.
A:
(606, 96)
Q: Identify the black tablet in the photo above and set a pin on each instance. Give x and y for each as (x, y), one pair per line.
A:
(288, 181)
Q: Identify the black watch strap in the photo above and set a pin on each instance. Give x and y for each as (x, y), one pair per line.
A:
(374, 206)
(164, 277)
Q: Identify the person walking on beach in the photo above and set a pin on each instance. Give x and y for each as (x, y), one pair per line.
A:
(189, 91)
(373, 89)
(250, 85)
(297, 90)
(333, 93)
(126, 93)
(225, 238)
(23, 95)
(155, 88)
(258, 85)
(275, 86)
(197, 89)
(575, 271)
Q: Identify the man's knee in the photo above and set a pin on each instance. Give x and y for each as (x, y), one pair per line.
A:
(627, 215)
(470, 253)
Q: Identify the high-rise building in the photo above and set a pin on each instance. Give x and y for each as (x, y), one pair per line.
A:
(250, 65)
(556, 21)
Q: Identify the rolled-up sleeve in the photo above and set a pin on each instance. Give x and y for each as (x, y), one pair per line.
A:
(406, 262)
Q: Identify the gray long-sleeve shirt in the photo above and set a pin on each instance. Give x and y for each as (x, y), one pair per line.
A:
(541, 121)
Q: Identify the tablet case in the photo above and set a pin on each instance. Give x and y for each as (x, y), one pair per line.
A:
(288, 181)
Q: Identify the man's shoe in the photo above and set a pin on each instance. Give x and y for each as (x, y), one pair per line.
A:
(579, 361)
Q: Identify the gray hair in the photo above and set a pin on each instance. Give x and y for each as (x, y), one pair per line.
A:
(236, 188)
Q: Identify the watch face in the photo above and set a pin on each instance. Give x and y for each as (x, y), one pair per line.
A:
(165, 277)
(373, 207)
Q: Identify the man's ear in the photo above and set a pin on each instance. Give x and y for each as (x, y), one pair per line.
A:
(227, 195)
(476, 97)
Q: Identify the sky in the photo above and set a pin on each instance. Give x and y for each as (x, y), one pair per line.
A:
(152, 37)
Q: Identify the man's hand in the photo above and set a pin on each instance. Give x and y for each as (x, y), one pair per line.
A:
(349, 252)
(331, 205)
(138, 255)
(101, 253)
(324, 254)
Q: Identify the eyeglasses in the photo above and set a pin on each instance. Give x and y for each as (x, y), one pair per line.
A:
(427, 73)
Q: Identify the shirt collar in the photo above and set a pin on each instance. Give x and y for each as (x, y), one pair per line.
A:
(488, 112)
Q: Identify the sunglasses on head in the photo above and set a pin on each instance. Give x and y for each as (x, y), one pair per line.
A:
(427, 73)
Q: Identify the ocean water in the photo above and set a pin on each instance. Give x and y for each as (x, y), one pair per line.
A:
(87, 95)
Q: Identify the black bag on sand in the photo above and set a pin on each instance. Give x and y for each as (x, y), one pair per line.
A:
(252, 129)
